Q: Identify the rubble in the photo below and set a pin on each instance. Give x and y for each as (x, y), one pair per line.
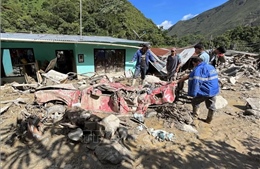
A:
(3, 109)
(161, 135)
(238, 64)
(101, 112)
(113, 153)
(76, 135)
(110, 125)
(253, 107)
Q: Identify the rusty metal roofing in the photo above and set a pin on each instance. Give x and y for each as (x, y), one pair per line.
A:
(160, 51)
(64, 38)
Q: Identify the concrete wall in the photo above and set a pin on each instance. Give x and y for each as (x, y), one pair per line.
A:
(46, 51)
(88, 51)
(42, 51)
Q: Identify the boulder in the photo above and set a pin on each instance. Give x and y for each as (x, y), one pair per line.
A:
(220, 102)
(109, 125)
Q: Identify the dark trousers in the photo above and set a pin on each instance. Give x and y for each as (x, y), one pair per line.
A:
(209, 101)
(141, 70)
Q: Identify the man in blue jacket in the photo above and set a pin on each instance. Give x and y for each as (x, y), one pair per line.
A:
(142, 58)
(202, 86)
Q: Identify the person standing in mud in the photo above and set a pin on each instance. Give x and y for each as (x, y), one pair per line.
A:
(172, 65)
(142, 58)
(203, 86)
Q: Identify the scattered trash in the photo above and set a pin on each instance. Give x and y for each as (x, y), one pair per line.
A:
(5, 108)
(139, 117)
(162, 135)
(76, 135)
(140, 128)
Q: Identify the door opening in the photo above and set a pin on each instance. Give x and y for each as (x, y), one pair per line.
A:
(65, 61)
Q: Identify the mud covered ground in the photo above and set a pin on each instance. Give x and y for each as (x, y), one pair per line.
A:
(230, 141)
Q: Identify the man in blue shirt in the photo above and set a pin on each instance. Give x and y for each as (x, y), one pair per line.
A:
(199, 49)
(142, 58)
(202, 86)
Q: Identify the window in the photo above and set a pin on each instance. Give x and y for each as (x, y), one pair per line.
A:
(109, 60)
(17, 62)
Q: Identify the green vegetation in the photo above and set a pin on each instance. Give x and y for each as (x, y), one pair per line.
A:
(216, 21)
(239, 38)
(118, 18)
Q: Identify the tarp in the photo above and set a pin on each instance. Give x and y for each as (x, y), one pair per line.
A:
(160, 66)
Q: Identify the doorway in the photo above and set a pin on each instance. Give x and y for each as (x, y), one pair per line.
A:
(65, 61)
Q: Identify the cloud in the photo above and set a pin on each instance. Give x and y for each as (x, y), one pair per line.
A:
(187, 17)
(165, 24)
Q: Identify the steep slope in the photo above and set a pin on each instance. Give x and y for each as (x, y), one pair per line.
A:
(117, 18)
(217, 20)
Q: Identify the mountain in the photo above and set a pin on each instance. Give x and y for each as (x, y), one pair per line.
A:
(220, 19)
(116, 18)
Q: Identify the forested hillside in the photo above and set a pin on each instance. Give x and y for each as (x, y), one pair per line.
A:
(117, 18)
(215, 21)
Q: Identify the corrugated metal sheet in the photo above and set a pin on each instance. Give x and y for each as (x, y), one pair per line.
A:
(65, 38)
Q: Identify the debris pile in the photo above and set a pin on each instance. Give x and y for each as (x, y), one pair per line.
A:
(74, 110)
(99, 111)
(239, 64)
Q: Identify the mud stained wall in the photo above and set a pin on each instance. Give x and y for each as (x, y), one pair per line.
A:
(87, 50)
(42, 51)
(82, 64)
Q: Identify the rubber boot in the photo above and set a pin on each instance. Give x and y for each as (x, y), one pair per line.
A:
(195, 112)
(142, 82)
(133, 82)
(210, 116)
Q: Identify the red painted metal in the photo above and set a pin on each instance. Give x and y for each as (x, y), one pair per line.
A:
(69, 97)
(111, 99)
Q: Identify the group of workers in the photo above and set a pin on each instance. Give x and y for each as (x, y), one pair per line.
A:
(203, 83)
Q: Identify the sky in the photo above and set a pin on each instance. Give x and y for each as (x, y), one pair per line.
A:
(168, 12)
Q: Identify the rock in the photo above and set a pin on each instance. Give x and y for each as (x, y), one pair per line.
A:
(92, 145)
(220, 102)
(252, 112)
(68, 166)
(76, 134)
(151, 113)
(189, 128)
(253, 103)
(123, 133)
(110, 125)
(151, 79)
(232, 80)
(113, 154)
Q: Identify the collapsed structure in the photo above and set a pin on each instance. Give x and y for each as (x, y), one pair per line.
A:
(75, 104)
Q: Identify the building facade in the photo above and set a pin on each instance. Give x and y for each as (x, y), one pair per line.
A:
(86, 54)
